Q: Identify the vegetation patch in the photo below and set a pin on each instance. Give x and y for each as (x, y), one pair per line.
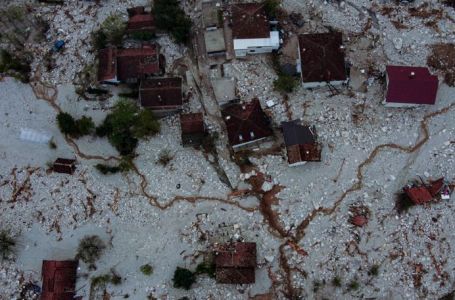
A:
(165, 157)
(183, 278)
(403, 203)
(206, 267)
(17, 67)
(110, 32)
(103, 280)
(75, 128)
(7, 244)
(126, 124)
(125, 165)
(142, 35)
(90, 250)
(146, 269)
(169, 16)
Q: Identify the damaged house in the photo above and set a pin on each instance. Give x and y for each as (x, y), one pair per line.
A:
(301, 143)
(410, 86)
(193, 129)
(321, 60)
(246, 124)
(140, 21)
(235, 263)
(163, 96)
(59, 279)
(421, 193)
(129, 65)
(251, 31)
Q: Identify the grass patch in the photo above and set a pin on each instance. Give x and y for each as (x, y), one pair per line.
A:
(146, 269)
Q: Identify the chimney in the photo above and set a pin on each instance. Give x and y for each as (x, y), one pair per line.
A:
(412, 75)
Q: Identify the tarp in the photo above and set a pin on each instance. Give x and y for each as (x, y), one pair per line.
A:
(31, 135)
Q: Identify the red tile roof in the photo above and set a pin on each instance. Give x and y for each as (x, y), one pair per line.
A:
(322, 58)
(107, 67)
(135, 63)
(246, 123)
(418, 194)
(161, 93)
(59, 280)
(411, 85)
(192, 123)
(141, 22)
(249, 21)
(235, 263)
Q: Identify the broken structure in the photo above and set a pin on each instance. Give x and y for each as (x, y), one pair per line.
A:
(193, 129)
(409, 86)
(162, 95)
(301, 143)
(246, 124)
(235, 263)
(321, 60)
(423, 193)
(140, 21)
(59, 279)
(251, 31)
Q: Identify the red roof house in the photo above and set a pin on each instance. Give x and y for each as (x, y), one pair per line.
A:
(59, 280)
(321, 59)
(140, 21)
(301, 144)
(410, 86)
(161, 95)
(235, 263)
(246, 124)
(193, 129)
(129, 65)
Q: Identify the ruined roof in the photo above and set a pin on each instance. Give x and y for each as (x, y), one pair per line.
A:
(107, 64)
(161, 93)
(246, 123)
(322, 58)
(235, 263)
(133, 63)
(418, 194)
(59, 279)
(300, 142)
(411, 85)
(192, 123)
(249, 21)
(210, 14)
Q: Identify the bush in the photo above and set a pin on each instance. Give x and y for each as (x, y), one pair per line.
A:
(170, 17)
(126, 124)
(102, 280)
(271, 7)
(336, 281)
(183, 278)
(146, 269)
(85, 126)
(353, 285)
(18, 67)
(7, 244)
(75, 128)
(285, 83)
(374, 270)
(110, 32)
(106, 169)
(206, 268)
(90, 250)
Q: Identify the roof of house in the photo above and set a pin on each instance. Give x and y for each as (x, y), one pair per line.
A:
(161, 93)
(322, 57)
(107, 67)
(300, 142)
(411, 85)
(214, 40)
(135, 62)
(59, 279)
(192, 123)
(418, 194)
(249, 21)
(140, 22)
(246, 123)
(235, 263)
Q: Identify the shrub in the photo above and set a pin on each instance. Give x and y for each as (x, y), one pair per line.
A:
(104, 279)
(90, 250)
(374, 270)
(106, 169)
(183, 278)
(206, 268)
(85, 126)
(353, 285)
(271, 7)
(18, 67)
(146, 269)
(7, 244)
(285, 83)
(75, 128)
(165, 157)
(170, 17)
(145, 124)
(336, 281)
(110, 32)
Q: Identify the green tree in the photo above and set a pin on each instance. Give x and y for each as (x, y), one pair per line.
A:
(111, 32)
(66, 123)
(183, 278)
(271, 7)
(285, 83)
(170, 17)
(145, 124)
(85, 126)
(90, 250)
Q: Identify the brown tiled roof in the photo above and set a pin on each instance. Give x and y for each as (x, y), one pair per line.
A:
(249, 21)
(63, 165)
(235, 263)
(161, 93)
(107, 68)
(305, 152)
(246, 123)
(135, 63)
(59, 279)
(192, 123)
(322, 58)
(141, 22)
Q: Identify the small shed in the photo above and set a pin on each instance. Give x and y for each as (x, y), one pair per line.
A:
(59, 279)
(193, 129)
(235, 263)
(64, 165)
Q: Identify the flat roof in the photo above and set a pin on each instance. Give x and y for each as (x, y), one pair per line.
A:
(210, 13)
(224, 89)
(214, 40)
